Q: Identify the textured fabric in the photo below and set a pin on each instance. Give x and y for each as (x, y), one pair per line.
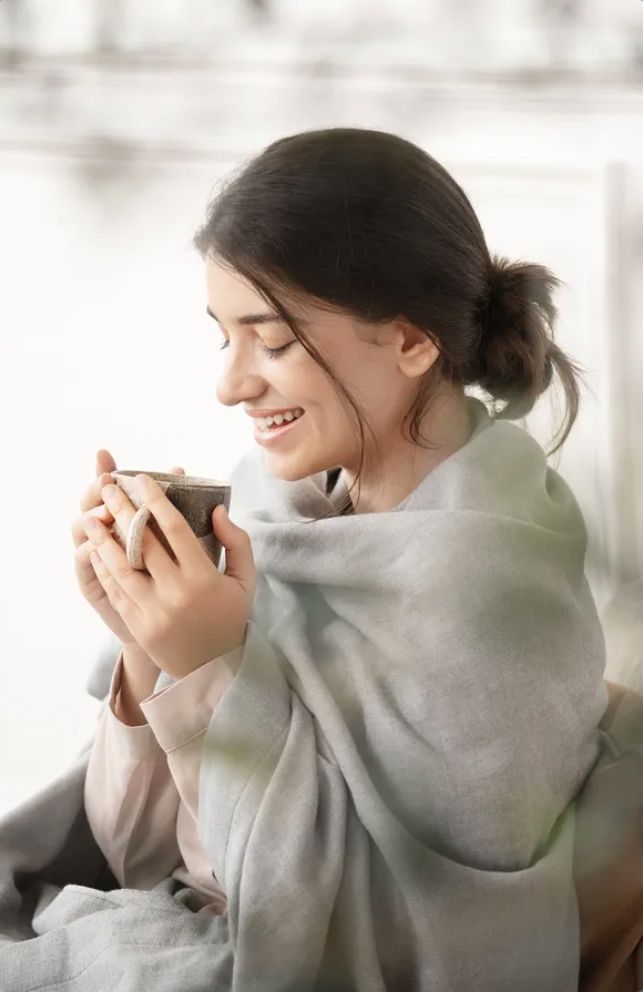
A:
(386, 787)
(141, 788)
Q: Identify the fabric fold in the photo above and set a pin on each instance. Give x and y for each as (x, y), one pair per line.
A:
(183, 710)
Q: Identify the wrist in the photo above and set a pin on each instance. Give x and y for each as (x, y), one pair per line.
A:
(136, 655)
(138, 677)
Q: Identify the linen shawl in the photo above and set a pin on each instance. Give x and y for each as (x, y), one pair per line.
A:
(386, 785)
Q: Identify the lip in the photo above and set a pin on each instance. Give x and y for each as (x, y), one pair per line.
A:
(271, 436)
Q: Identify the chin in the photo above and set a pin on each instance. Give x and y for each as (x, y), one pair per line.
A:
(288, 476)
(298, 468)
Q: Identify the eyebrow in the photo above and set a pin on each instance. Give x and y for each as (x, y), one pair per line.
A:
(252, 318)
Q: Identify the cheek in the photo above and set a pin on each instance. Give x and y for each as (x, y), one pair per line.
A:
(310, 385)
(303, 380)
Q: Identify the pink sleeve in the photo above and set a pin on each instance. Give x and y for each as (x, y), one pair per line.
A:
(179, 715)
(130, 798)
(137, 776)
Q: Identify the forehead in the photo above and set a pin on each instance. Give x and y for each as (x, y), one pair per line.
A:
(230, 296)
(228, 290)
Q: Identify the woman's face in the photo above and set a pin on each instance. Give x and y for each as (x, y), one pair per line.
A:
(378, 365)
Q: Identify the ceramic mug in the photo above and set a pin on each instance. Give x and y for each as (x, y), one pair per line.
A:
(195, 498)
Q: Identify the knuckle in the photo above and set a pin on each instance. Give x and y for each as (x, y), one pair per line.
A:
(174, 525)
(114, 593)
(182, 602)
(96, 511)
(119, 573)
(78, 532)
(116, 500)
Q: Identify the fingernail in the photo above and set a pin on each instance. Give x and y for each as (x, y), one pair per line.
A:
(143, 484)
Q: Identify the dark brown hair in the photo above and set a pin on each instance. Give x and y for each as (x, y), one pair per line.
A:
(369, 224)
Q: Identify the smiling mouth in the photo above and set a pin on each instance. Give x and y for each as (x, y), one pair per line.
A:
(267, 434)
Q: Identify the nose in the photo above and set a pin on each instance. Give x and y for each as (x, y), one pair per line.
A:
(233, 389)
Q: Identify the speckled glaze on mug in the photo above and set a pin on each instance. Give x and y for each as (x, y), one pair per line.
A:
(193, 497)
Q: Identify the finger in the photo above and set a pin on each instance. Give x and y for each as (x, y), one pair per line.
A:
(85, 571)
(117, 597)
(133, 584)
(92, 495)
(104, 461)
(156, 558)
(78, 532)
(81, 559)
(177, 531)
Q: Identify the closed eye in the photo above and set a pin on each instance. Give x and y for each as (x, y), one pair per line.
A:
(270, 352)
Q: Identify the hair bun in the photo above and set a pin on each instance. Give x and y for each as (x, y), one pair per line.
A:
(514, 289)
(517, 350)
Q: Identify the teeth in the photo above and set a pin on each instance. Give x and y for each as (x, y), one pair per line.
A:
(266, 422)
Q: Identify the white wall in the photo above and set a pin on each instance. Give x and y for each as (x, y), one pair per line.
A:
(107, 344)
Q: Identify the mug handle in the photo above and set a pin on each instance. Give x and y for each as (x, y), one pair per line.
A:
(135, 538)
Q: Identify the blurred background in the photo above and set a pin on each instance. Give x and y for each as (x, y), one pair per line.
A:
(116, 123)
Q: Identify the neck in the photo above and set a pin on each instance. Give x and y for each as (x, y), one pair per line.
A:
(447, 425)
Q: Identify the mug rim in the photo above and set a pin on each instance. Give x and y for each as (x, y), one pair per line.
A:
(187, 481)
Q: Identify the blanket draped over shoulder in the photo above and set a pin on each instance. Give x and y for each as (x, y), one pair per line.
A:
(387, 785)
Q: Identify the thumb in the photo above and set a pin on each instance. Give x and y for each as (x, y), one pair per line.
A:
(239, 559)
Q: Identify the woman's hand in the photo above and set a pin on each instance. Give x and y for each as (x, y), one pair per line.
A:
(183, 613)
(91, 504)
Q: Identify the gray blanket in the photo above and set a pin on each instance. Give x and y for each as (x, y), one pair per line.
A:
(387, 785)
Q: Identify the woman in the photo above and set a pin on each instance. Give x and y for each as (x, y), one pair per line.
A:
(377, 762)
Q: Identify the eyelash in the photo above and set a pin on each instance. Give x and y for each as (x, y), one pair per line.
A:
(269, 352)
